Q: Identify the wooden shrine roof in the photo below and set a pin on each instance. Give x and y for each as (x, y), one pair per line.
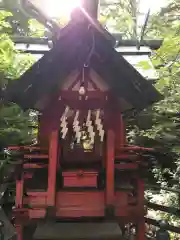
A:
(127, 48)
(69, 53)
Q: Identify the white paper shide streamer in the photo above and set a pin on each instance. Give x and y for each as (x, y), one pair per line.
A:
(76, 127)
(99, 125)
(89, 125)
(64, 123)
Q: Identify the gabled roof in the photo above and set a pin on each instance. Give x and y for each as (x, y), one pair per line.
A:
(70, 53)
(138, 58)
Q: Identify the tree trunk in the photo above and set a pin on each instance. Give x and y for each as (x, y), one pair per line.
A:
(133, 4)
(91, 7)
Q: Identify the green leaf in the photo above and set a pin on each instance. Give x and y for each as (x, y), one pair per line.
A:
(144, 65)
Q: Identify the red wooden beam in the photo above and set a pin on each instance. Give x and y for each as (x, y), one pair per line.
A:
(110, 149)
(34, 165)
(74, 95)
(19, 192)
(30, 148)
(36, 156)
(84, 104)
(136, 148)
(52, 170)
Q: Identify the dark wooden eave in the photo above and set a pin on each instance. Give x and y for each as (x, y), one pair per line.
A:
(152, 44)
(124, 79)
(69, 53)
(43, 45)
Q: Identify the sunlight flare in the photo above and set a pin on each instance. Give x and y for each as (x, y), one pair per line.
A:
(60, 7)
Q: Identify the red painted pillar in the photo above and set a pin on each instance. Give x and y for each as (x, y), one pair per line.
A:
(110, 152)
(52, 168)
(19, 231)
(19, 200)
(19, 192)
(120, 131)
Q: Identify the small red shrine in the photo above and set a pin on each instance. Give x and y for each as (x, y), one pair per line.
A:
(82, 170)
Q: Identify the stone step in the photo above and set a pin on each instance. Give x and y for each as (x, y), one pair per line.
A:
(78, 231)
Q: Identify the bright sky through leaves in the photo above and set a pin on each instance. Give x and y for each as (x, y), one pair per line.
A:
(63, 8)
(154, 5)
(60, 7)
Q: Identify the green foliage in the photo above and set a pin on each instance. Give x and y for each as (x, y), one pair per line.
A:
(14, 122)
(4, 25)
(167, 60)
(14, 126)
(18, 22)
(121, 17)
(35, 28)
(165, 199)
(144, 65)
(163, 130)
